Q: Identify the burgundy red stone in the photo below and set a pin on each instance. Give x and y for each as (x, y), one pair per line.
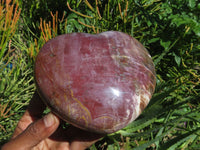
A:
(99, 82)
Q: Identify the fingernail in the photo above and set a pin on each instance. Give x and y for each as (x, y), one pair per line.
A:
(49, 120)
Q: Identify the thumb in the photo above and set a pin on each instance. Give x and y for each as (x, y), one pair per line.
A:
(35, 133)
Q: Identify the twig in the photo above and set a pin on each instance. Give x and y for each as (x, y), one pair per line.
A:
(78, 13)
(89, 26)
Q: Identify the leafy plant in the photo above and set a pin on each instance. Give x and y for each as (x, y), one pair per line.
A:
(16, 89)
(16, 81)
(8, 19)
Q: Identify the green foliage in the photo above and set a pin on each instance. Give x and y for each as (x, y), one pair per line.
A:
(33, 11)
(8, 20)
(16, 89)
(16, 80)
(169, 29)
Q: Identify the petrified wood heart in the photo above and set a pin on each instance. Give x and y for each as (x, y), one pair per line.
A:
(99, 82)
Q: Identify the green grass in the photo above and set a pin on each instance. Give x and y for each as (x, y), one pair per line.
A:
(170, 30)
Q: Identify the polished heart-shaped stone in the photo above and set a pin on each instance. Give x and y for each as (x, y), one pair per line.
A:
(99, 83)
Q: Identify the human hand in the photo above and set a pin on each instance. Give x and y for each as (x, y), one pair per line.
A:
(36, 133)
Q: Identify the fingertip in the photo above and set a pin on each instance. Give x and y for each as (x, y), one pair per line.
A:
(50, 120)
(37, 131)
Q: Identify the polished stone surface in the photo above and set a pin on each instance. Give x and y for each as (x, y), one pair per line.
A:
(96, 82)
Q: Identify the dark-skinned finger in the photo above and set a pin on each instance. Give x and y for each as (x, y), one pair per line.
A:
(34, 134)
